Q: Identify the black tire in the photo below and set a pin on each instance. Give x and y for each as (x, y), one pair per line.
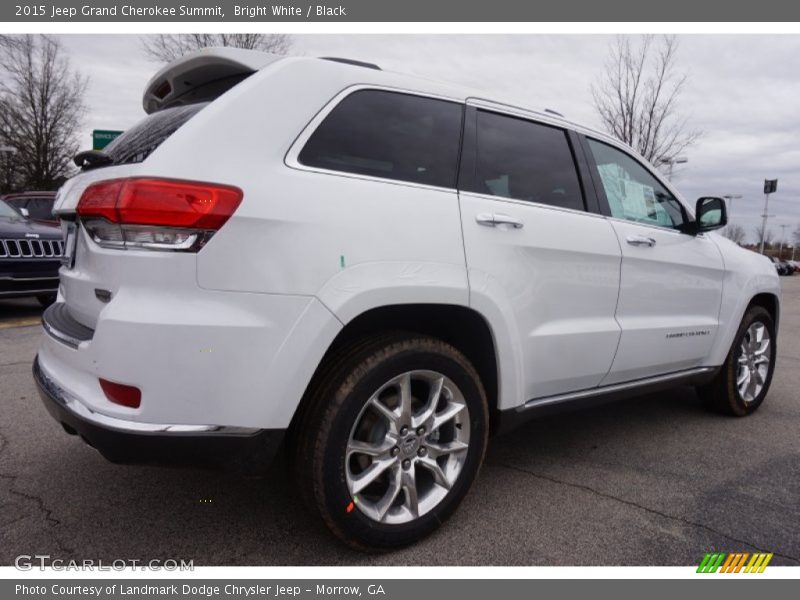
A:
(334, 405)
(46, 299)
(722, 394)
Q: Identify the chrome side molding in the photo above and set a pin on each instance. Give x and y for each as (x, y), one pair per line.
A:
(630, 386)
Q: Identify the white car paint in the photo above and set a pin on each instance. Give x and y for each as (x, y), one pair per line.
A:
(232, 335)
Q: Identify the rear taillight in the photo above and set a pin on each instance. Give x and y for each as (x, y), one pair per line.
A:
(124, 395)
(156, 214)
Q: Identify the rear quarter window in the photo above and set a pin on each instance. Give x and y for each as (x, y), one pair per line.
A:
(390, 135)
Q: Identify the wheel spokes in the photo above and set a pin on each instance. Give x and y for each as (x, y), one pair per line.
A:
(744, 378)
(371, 473)
(395, 486)
(367, 449)
(436, 450)
(438, 473)
(410, 488)
(386, 412)
(751, 387)
(404, 386)
(450, 411)
(434, 395)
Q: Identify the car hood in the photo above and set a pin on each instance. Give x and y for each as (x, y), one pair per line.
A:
(20, 228)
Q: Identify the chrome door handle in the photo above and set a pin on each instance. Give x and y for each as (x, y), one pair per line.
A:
(495, 219)
(640, 240)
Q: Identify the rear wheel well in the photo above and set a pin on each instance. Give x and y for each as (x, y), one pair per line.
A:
(461, 327)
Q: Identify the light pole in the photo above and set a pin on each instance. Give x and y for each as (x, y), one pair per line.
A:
(671, 162)
(730, 198)
(783, 237)
(770, 187)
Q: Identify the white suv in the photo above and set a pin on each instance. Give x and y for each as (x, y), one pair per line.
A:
(376, 272)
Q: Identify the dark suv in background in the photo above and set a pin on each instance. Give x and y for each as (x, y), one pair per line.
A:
(30, 256)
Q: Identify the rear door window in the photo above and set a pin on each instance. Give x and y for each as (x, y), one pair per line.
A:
(389, 135)
(523, 160)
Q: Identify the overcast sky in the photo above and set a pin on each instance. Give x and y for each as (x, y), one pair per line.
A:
(743, 93)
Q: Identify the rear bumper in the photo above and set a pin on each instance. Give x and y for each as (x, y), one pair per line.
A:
(246, 450)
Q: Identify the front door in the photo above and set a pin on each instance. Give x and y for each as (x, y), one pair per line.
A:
(671, 281)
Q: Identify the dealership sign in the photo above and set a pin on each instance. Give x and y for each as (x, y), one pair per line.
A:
(103, 137)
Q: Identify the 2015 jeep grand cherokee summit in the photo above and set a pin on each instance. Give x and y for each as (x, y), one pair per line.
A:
(376, 271)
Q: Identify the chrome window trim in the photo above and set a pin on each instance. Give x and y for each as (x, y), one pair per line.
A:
(530, 204)
(511, 110)
(292, 161)
(656, 227)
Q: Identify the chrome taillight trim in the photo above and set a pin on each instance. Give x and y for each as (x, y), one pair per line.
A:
(195, 240)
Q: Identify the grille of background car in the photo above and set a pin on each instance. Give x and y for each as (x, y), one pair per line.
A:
(25, 248)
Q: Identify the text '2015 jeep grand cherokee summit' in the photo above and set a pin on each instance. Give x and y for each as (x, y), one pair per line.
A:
(376, 271)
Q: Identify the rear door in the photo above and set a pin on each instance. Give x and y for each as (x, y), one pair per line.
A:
(535, 254)
(671, 285)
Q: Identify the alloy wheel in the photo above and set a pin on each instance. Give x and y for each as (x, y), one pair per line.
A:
(753, 362)
(407, 447)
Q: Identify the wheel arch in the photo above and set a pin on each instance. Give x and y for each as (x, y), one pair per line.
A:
(462, 327)
(770, 302)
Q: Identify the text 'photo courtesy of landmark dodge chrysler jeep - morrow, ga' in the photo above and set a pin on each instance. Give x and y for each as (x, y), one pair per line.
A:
(375, 272)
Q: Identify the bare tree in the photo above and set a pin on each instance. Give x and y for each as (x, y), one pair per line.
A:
(769, 236)
(168, 47)
(637, 97)
(796, 236)
(41, 110)
(735, 233)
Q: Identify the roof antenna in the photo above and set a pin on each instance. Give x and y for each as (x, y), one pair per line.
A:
(553, 112)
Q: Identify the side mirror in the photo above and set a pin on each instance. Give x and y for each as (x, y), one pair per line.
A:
(711, 213)
(24, 212)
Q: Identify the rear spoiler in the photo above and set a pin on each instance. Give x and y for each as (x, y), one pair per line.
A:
(201, 76)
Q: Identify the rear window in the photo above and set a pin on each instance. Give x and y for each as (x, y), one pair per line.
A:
(389, 135)
(139, 142)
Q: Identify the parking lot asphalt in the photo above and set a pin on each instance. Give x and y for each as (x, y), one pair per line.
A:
(654, 480)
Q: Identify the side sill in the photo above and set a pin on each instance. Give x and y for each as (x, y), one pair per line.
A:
(512, 418)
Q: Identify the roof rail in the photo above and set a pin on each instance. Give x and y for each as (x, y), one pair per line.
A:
(553, 112)
(350, 61)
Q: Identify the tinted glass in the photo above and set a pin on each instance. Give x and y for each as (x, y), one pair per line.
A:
(390, 135)
(138, 142)
(525, 161)
(40, 208)
(633, 193)
(7, 212)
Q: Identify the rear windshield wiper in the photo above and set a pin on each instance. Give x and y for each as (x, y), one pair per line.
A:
(91, 159)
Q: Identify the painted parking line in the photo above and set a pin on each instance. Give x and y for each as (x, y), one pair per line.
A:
(22, 322)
